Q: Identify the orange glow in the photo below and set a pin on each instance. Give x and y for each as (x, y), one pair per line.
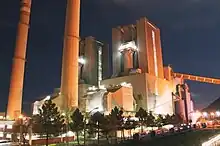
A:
(21, 117)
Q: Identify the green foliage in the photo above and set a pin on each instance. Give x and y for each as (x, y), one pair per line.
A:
(130, 124)
(37, 127)
(175, 119)
(106, 126)
(77, 123)
(150, 120)
(50, 118)
(77, 120)
(160, 121)
(116, 118)
(97, 122)
(141, 114)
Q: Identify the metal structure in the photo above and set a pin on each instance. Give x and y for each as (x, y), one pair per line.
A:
(197, 78)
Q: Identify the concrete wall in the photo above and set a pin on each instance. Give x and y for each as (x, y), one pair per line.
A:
(144, 86)
(149, 47)
(89, 50)
(122, 98)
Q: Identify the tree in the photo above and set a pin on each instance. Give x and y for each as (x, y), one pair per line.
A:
(176, 119)
(50, 119)
(37, 127)
(96, 121)
(160, 121)
(168, 119)
(142, 115)
(130, 124)
(116, 120)
(150, 120)
(106, 126)
(77, 123)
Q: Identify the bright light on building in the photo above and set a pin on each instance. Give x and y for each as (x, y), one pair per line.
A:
(205, 114)
(124, 84)
(20, 117)
(195, 116)
(217, 113)
(130, 45)
(47, 98)
(93, 88)
(81, 60)
(212, 114)
(102, 87)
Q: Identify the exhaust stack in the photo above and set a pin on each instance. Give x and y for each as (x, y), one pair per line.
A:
(17, 75)
(69, 78)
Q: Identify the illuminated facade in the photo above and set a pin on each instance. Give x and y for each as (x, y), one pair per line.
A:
(184, 104)
(137, 47)
(96, 99)
(95, 66)
(137, 61)
(144, 92)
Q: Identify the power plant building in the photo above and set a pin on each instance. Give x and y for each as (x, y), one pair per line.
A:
(94, 64)
(137, 61)
(137, 47)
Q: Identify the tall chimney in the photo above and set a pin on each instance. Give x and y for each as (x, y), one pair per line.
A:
(17, 74)
(69, 78)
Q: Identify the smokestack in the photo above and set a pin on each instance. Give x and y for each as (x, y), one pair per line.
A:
(69, 78)
(17, 74)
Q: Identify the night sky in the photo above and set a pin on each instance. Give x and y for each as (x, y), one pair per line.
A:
(189, 28)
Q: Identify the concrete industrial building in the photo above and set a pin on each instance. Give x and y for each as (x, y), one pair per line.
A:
(93, 67)
(94, 64)
(136, 58)
(137, 47)
(137, 61)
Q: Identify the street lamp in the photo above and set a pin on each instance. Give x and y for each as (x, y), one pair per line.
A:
(84, 127)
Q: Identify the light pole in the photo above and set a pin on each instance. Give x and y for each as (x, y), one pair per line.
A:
(84, 127)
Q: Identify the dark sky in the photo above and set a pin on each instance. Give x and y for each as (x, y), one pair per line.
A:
(190, 39)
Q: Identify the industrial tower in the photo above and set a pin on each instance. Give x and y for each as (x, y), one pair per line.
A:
(17, 75)
(69, 78)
